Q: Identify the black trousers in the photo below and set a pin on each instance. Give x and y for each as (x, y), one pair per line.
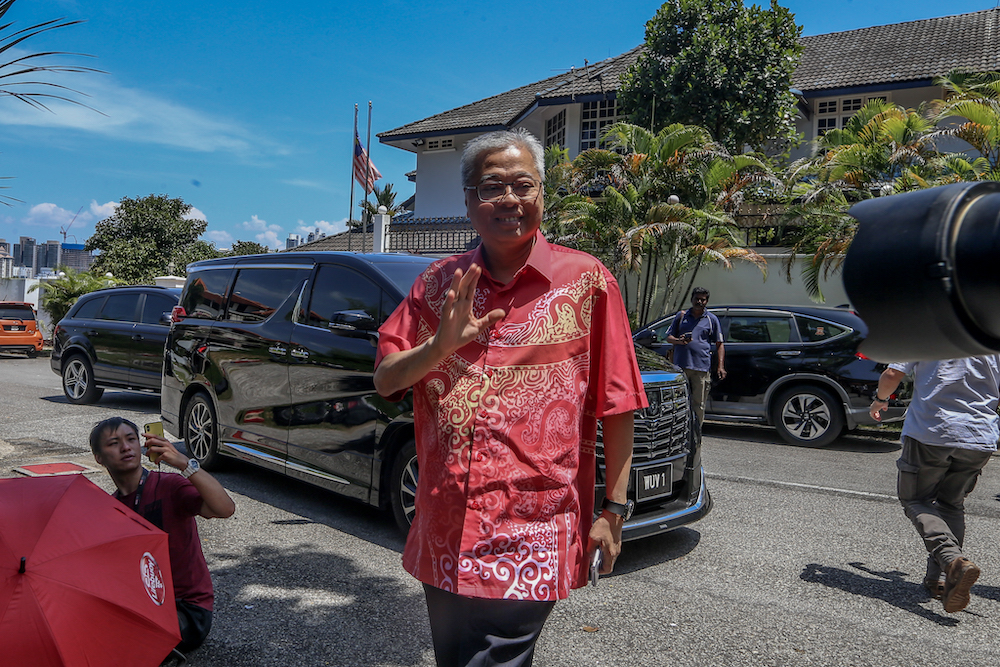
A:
(195, 623)
(476, 632)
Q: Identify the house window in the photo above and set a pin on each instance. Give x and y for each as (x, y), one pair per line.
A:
(594, 117)
(835, 112)
(439, 144)
(555, 130)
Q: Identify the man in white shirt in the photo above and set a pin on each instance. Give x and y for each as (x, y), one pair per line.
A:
(950, 431)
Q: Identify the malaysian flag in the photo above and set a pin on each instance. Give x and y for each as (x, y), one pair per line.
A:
(361, 161)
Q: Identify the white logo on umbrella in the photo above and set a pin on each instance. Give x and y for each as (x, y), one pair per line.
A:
(152, 578)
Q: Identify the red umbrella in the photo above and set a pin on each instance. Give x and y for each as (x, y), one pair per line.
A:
(83, 579)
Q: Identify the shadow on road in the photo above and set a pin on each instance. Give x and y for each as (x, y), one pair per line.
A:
(311, 503)
(888, 586)
(652, 551)
(858, 441)
(118, 400)
(302, 606)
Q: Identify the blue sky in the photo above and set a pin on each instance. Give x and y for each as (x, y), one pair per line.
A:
(245, 110)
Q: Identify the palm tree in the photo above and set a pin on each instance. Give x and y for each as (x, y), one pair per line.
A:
(19, 77)
(976, 98)
(59, 295)
(383, 197)
(882, 150)
(620, 208)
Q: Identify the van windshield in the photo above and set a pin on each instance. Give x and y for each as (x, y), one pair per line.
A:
(403, 273)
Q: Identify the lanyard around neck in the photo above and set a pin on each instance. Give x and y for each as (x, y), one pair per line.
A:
(138, 491)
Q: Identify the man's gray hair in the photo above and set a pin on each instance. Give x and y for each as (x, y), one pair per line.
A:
(492, 142)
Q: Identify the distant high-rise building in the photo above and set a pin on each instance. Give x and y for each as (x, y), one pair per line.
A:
(293, 241)
(24, 255)
(49, 256)
(75, 257)
(6, 261)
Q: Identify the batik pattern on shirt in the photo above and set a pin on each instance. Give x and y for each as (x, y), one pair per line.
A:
(506, 426)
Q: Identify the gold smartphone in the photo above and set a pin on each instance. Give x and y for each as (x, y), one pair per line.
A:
(156, 428)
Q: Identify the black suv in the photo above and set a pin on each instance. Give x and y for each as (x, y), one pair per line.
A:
(797, 368)
(113, 338)
(270, 360)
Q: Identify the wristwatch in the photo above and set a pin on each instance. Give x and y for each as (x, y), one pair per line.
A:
(192, 468)
(624, 511)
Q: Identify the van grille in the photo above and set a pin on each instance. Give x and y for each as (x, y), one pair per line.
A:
(661, 430)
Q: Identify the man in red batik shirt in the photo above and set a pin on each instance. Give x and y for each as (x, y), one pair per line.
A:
(514, 350)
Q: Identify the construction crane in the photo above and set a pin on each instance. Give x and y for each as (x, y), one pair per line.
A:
(66, 229)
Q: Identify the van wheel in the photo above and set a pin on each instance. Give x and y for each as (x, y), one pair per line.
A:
(78, 381)
(808, 416)
(201, 432)
(403, 486)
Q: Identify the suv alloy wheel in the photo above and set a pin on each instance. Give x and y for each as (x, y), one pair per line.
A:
(808, 416)
(78, 381)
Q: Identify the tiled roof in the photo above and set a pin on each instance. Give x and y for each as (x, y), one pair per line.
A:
(503, 109)
(423, 236)
(900, 52)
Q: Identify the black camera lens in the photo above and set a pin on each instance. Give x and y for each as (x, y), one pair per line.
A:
(922, 272)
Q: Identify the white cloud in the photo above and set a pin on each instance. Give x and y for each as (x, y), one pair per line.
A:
(49, 216)
(221, 238)
(102, 211)
(195, 214)
(328, 228)
(132, 114)
(303, 183)
(264, 233)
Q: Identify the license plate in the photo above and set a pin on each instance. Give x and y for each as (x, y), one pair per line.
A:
(652, 481)
(15, 327)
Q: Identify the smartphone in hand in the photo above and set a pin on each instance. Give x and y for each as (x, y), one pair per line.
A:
(155, 428)
(596, 561)
(689, 336)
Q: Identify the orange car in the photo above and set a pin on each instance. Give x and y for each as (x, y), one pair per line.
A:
(19, 329)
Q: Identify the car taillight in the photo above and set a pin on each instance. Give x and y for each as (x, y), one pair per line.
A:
(861, 356)
(177, 313)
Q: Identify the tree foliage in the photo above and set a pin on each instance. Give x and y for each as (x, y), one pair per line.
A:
(246, 248)
(882, 150)
(719, 65)
(59, 295)
(617, 205)
(974, 97)
(147, 237)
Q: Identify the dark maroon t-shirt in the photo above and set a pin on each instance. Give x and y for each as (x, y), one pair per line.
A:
(171, 503)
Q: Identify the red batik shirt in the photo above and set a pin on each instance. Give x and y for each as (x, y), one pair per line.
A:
(506, 426)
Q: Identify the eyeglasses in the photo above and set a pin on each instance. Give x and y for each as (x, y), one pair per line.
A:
(491, 192)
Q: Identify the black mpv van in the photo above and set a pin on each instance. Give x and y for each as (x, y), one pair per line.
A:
(270, 360)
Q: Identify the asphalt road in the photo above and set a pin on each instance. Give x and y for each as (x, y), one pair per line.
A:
(806, 559)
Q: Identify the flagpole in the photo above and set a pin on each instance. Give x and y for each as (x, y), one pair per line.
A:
(368, 172)
(350, 210)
